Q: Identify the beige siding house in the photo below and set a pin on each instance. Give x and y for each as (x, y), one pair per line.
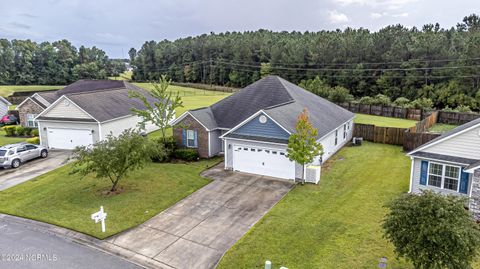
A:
(450, 164)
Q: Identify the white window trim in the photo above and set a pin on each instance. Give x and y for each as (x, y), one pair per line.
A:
(35, 124)
(193, 132)
(443, 176)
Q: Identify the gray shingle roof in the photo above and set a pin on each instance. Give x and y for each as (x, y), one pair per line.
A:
(451, 133)
(473, 166)
(205, 116)
(109, 104)
(49, 96)
(281, 100)
(447, 158)
(86, 85)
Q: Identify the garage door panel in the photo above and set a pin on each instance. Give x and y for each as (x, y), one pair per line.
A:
(263, 161)
(59, 138)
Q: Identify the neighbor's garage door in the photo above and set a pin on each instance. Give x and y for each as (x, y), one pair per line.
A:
(68, 138)
(263, 161)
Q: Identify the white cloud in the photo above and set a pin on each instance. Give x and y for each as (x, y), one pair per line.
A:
(337, 17)
(376, 15)
(405, 14)
(388, 4)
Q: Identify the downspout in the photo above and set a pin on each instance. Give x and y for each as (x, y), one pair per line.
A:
(411, 175)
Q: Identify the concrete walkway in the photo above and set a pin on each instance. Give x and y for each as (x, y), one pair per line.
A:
(29, 170)
(198, 230)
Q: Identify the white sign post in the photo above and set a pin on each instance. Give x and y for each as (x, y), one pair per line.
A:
(100, 216)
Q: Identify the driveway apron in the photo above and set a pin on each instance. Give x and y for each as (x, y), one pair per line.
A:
(197, 231)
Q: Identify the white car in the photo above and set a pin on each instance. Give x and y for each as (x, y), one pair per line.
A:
(14, 155)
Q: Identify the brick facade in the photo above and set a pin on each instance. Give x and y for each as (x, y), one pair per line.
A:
(29, 107)
(202, 134)
(474, 204)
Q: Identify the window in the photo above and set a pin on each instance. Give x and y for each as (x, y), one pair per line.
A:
(190, 138)
(21, 149)
(29, 147)
(274, 152)
(282, 153)
(30, 120)
(252, 149)
(336, 137)
(444, 176)
(435, 175)
(344, 131)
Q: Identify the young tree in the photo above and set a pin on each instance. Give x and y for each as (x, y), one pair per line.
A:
(161, 112)
(432, 230)
(302, 145)
(115, 157)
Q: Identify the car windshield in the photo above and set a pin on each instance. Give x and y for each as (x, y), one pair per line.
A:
(3, 152)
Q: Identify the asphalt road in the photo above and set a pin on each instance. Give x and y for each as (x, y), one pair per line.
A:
(21, 247)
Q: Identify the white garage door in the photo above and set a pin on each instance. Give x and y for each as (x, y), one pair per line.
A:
(68, 138)
(263, 161)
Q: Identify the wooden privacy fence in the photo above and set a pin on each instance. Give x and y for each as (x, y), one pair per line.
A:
(425, 124)
(456, 118)
(377, 134)
(414, 140)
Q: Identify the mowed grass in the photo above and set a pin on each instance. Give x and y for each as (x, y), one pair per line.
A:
(383, 121)
(67, 200)
(127, 75)
(9, 89)
(335, 224)
(4, 140)
(441, 128)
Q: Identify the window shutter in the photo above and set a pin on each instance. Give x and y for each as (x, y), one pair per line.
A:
(184, 137)
(464, 182)
(423, 173)
(195, 138)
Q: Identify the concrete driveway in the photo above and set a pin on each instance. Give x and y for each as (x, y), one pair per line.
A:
(29, 170)
(198, 230)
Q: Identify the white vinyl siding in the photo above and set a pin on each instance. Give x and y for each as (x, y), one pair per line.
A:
(328, 142)
(64, 109)
(417, 187)
(464, 145)
(117, 126)
(3, 108)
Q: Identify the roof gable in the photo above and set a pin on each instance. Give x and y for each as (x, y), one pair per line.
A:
(65, 108)
(261, 126)
(5, 101)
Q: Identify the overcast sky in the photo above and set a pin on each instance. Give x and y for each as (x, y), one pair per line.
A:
(117, 25)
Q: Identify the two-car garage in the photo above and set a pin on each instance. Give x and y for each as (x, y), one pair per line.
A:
(268, 161)
(62, 138)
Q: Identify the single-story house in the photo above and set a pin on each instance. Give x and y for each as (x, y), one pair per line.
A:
(450, 164)
(4, 104)
(251, 127)
(83, 112)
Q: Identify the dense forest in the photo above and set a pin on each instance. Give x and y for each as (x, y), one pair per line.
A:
(442, 65)
(24, 62)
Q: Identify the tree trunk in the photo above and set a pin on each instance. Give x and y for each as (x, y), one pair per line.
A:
(303, 174)
(114, 186)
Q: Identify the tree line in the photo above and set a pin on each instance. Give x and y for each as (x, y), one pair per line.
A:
(442, 65)
(24, 62)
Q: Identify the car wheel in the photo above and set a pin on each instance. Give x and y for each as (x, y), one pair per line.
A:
(15, 163)
(44, 153)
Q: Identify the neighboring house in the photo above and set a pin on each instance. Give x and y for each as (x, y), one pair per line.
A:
(83, 113)
(4, 104)
(251, 127)
(450, 164)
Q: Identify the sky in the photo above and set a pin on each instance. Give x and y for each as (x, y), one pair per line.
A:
(117, 25)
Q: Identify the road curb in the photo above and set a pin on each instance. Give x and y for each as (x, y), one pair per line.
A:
(86, 240)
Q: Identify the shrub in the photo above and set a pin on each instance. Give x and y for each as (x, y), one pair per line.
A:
(402, 101)
(366, 100)
(339, 94)
(10, 130)
(382, 100)
(160, 151)
(422, 103)
(463, 108)
(34, 140)
(20, 130)
(448, 109)
(186, 154)
(28, 131)
(35, 132)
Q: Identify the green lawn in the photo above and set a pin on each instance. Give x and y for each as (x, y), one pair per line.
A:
(441, 128)
(67, 200)
(383, 121)
(335, 224)
(127, 75)
(4, 140)
(9, 89)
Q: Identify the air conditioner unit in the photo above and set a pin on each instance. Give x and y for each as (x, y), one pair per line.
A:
(312, 174)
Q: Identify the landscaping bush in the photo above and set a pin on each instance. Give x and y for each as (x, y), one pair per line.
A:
(464, 109)
(402, 102)
(10, 130)
(159, 151)
(28, 131)
(34, 140)
(35, 132)
(339, 94)
(186, 154)
(382, 100)
(20, 130)
(422, 103)
(367, 100)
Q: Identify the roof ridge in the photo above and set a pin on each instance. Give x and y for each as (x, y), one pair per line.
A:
(281, 104)
(284, 86)
(95, 91)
